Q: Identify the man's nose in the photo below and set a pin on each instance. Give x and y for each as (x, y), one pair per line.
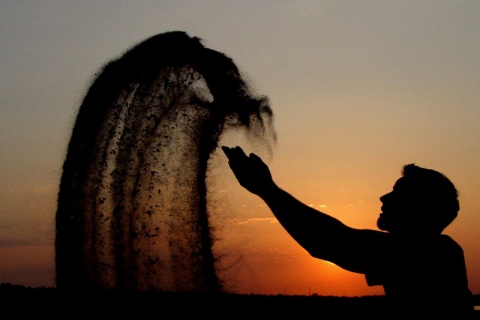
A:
(384, 197)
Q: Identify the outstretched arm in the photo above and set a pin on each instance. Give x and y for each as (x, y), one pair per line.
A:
(321, 235)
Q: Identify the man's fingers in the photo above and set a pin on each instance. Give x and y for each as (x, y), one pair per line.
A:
(235, 153)
(239, 152)
(227, 151)
(254, 156)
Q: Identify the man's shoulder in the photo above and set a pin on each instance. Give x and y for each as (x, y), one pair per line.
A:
(449, 243)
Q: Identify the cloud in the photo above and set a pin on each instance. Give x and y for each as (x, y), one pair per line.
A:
(13, 236)
(253, 221)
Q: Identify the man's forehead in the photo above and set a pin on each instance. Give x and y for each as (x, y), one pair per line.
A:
(400, 183)
(406, 184)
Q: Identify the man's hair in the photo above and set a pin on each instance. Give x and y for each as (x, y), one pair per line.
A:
(438, 193)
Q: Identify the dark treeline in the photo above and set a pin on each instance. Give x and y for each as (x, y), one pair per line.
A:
(27, 302)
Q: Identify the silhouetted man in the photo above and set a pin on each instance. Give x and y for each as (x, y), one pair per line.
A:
(421, 270)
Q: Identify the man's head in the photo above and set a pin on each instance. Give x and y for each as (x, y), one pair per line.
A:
(422, 201)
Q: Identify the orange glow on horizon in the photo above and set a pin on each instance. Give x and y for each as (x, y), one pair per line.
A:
(299, 274)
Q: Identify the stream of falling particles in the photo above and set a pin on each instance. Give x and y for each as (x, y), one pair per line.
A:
(132, 207)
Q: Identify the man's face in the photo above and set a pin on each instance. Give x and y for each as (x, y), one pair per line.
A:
(399, 207)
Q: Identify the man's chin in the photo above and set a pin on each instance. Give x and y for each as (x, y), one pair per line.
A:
(382, 224)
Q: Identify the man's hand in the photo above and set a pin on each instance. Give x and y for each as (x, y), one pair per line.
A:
(251, 172)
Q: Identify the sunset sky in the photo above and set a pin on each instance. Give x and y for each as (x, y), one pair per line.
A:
(358, 89)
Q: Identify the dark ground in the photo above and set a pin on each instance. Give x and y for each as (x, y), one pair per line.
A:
(48, 303)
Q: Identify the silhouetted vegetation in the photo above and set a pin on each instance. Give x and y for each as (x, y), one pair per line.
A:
(27, 302)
